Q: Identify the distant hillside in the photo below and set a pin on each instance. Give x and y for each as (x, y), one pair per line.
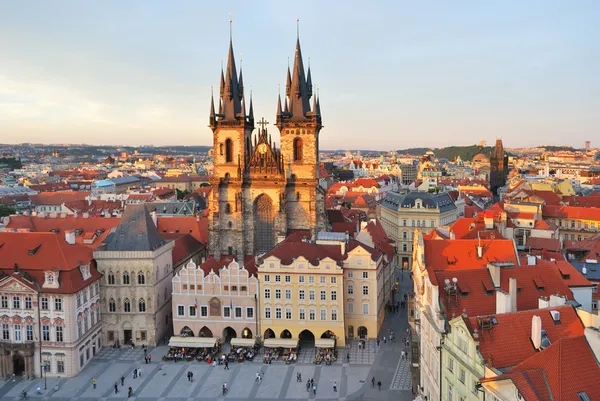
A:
(550, 148)
(466, 153)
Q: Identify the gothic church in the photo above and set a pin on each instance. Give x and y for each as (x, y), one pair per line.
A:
(261, 193)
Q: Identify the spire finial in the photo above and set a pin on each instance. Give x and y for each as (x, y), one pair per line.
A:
(297, 28)
(230, 28)
(309, 62)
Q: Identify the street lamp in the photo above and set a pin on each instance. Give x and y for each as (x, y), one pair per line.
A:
(46, 367)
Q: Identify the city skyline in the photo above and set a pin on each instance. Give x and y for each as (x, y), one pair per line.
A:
(141, 73)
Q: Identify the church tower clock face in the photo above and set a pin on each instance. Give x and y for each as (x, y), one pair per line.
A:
(262, 148)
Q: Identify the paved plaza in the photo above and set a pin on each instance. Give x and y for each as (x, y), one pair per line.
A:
(167, 381)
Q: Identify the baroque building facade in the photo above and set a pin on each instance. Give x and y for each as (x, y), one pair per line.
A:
(260, 192)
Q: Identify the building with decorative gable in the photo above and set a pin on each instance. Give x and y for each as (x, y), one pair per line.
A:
(49, 305)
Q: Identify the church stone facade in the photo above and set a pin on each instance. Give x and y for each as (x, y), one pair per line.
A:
(498, 167)
(261, 192)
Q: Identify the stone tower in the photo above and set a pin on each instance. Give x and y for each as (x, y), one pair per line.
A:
(259, 192)
(498, 167)
(299, 126)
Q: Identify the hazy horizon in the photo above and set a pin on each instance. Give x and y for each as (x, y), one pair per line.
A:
(391, 75)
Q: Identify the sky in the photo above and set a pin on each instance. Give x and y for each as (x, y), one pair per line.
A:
(391, 74)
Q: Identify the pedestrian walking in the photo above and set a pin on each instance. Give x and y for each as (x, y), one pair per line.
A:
(378, 342)
(379, 385)
(224, 388)
(149, 358)
(116, 388)
(312, 381)
(135, 373)
(314, 389)
(308, 385)
(373, 381)
(403, 356)
(145, 351)
(299, 377)
(384, 340)
(122, 380)
(139, 372)
(258, 377)
(94, 383)
(226, 365)
(348, 357)
(146, 360)
(335, 387)
(129, 392)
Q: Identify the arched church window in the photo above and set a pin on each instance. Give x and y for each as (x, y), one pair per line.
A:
(125, 278)
(112, 306)
(227, 208)
(142, 306)
(141, 278)
(297, 149)
(127, 306)
(228, 150)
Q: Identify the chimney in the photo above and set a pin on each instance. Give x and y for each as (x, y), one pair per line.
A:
(495, 273)
(70, 237)
(512, 293)
(555, 316)
(85, 215)
(543, 302)
(557, 300)
(536, 331)
(452, 235)
(531, 260)
(502, 302)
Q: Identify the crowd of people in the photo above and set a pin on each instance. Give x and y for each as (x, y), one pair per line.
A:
(288, 355)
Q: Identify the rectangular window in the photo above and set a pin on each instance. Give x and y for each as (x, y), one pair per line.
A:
(238, 312)
(365, 309)
(4, 302)
(5, 331)
(323, 314)
(334, 314)
(226, 311)
(334, 295)
(365, 274)
(450, 395)
(250, 313)
(277, 278)
(192, 310)
(59, 334)
(267, 278)
(333, 280)
(16, 302)
(322, 279)
(60, 366)
(302, 314)
(311, 279)
(45, 333)
(267, 293)
(204, 311)
(301, 294)
(288, 294)
(28, 303)
(350, 307)
(18, 338)
(78, 300)
(461, 375)
(267, 313)
(451, 364)
(350, 289)
(365, 290)
(300, 279)
(277, 294)
(180, 310)
(288, 279)
(350, 274)
(323, 295)
(311, 295)
(79, 328)
(58, 304)
(277, 313)
(311, 314)
(29, 332)
(288, 313)
(44, 302)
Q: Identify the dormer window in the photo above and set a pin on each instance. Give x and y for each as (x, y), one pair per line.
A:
(50, 279)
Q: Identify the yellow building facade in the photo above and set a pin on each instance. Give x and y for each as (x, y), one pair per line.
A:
(301, 300)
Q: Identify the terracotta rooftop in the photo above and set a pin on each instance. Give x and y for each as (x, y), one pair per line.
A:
(461, 254)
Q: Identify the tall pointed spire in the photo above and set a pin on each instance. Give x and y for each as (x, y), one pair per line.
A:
(241, 81)
(231, 93)
(314, 108)
(309, 83)
(318, 111)
(251, 111)
(286, 109)
(279, 113)
(299, 94)
(212, 103)
(222, 87)
(288, 81)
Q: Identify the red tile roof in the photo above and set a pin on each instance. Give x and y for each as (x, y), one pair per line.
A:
(509, 342)
(478, 295)
(100, 226)
(462, 253)
(583, 201)
(572, 212)
(550, 244)
(186, 246)
(58, 198)
(569, 366)
(36, 253)
(196, 226)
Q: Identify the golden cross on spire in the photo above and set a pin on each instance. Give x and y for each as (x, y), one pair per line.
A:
(263, 123)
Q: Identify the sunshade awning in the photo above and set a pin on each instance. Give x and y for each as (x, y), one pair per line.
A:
(324, 343)
(243, 342)
(281, 342)
(193, 342)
